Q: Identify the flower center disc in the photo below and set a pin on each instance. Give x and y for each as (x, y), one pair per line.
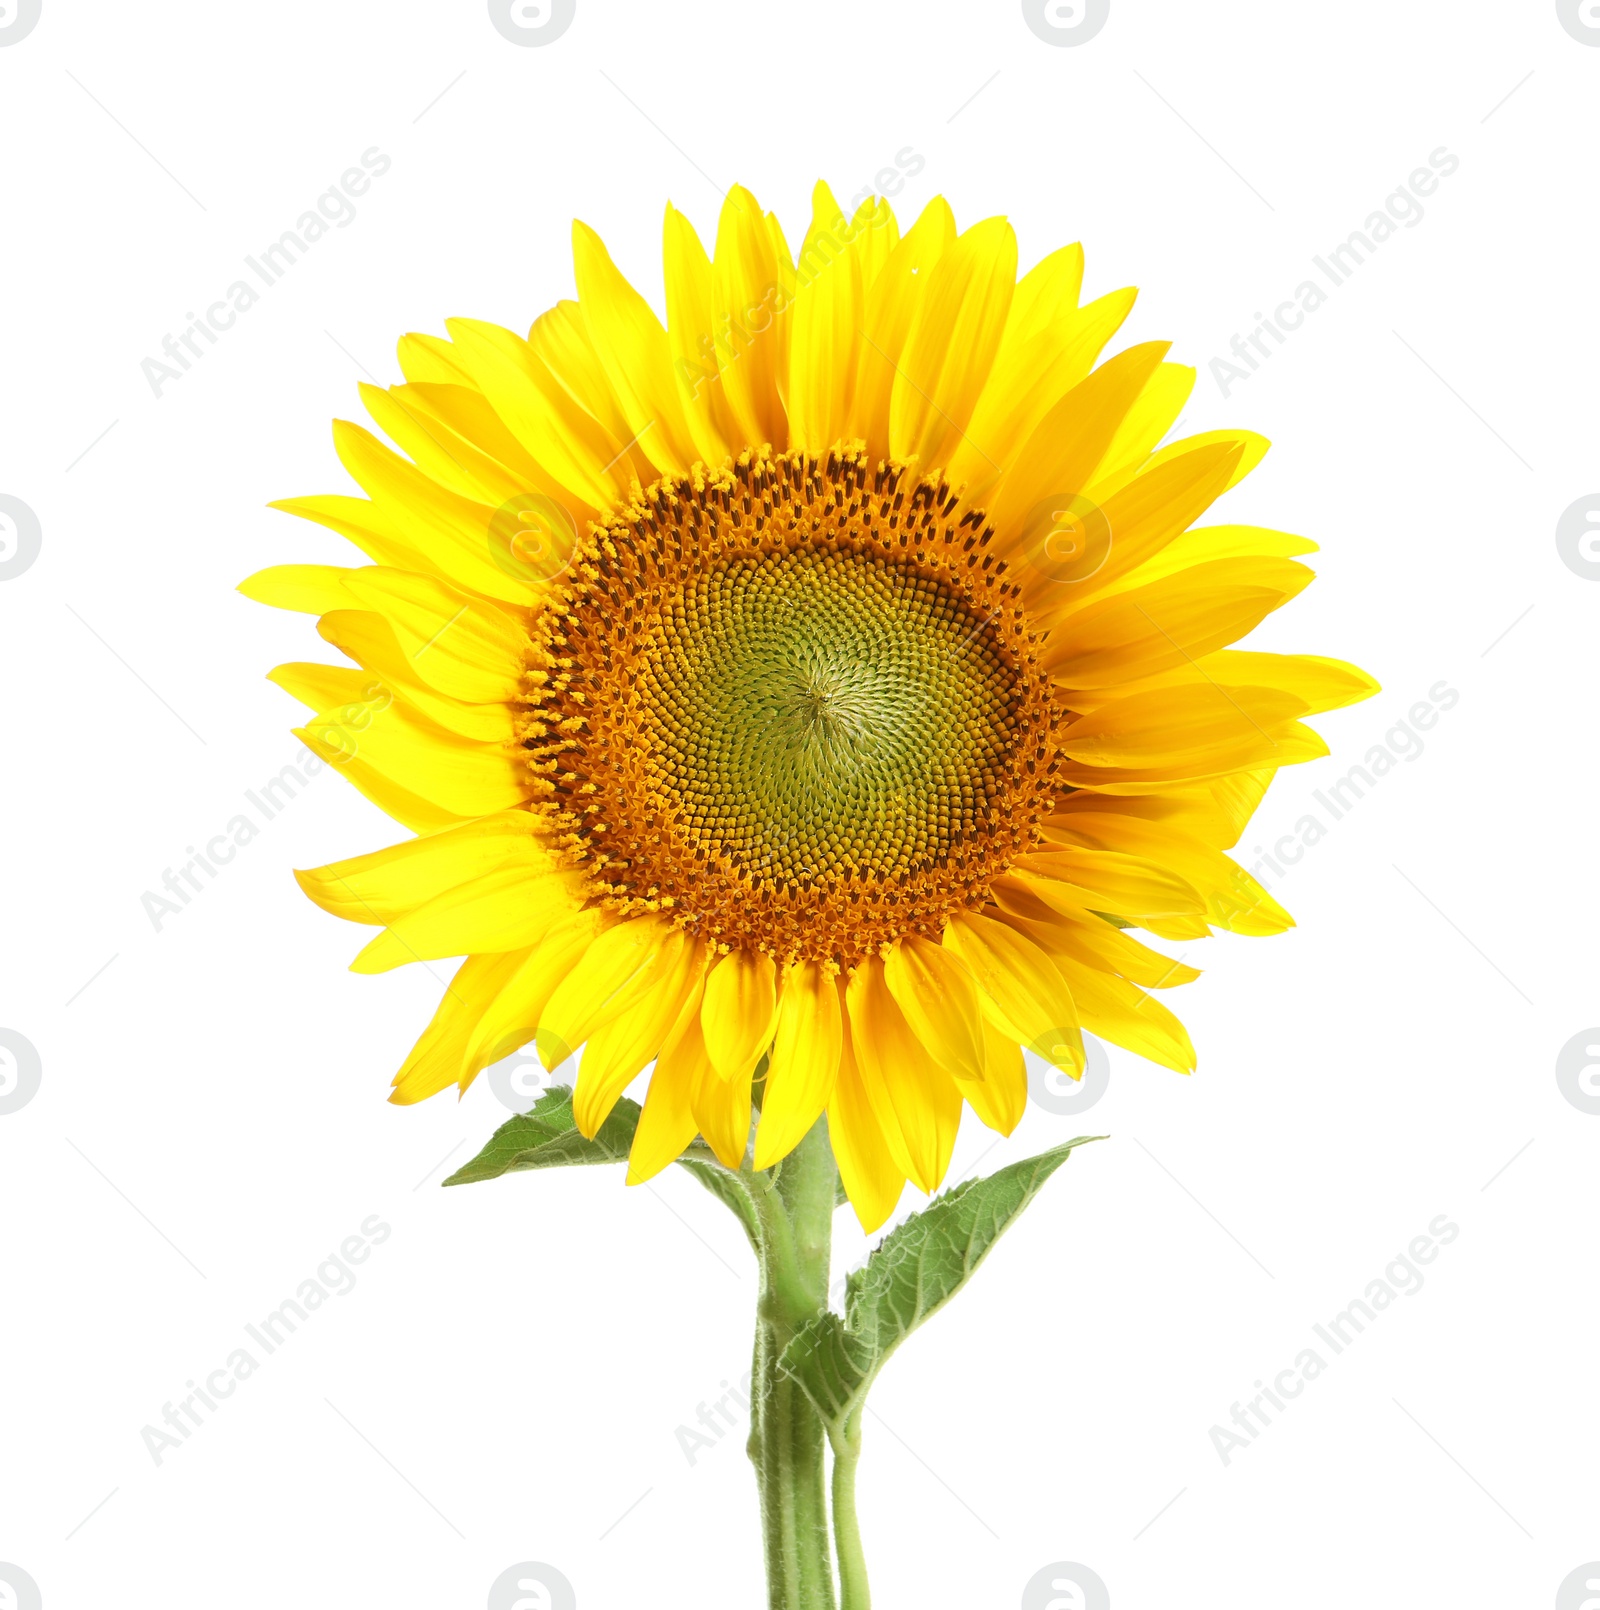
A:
(800, 710)
(818, 710)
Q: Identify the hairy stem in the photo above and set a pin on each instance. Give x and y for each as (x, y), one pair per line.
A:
(854, 1594)
(787, 1436)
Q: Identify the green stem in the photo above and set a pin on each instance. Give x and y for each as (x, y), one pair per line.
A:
(854, 1594)
(787, 1436)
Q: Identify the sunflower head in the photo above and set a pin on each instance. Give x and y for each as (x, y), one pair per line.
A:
(806, 694)
(794, 701)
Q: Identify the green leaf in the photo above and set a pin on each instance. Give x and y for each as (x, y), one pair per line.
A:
(914, 1272)
(547, 1137)
(730, 1189)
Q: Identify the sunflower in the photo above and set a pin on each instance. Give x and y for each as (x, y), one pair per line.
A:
(807, 696)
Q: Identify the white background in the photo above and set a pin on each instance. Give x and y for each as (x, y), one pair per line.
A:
(508, 1377)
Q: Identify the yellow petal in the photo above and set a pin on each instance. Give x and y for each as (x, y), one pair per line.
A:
(935, 990)
(667, 1124)
(746, 297)
(1002, 1097)
(369, 640)
(1122, 1013)
(1215, 811)
(1104, 880)
(615, 972)
(1319, 683)
(429, 358)
(1246, 447)
(737, 1014)
(438, 1056)
(825, 334)
(1083, 937)
(1127, 530)
(1171, 622)
(1039, 361)
(311, 589)
(916, 1103)
(891, 306)
(512, 1019)
(454, 642)
(386, 884)
(876, 236)
(1023, 993)
(1050, 346)
(561, 339)
(872, 1179)
(436, 427)
(952, 342)
(782, 311)
(1195, 727)
(1063, 452)
(1147, 421)
(1221, 807)
(620, 1049)
(721, 1106)
(415, 515)
(461, 778)
(377, 534)
(571, 444)
(805, 1061)
(692, 338)
(1217, 541)
(504, 909)
(633, 348)
(346, 696)
(1233, 899)
(407, 808)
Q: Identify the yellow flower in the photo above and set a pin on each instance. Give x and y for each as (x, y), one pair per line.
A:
(831, 677)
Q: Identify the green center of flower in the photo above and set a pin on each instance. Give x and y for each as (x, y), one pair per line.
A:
(817, 711)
